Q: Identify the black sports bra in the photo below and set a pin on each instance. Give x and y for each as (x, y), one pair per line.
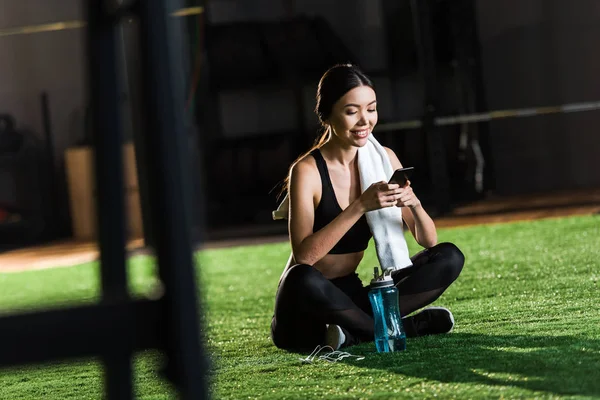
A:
(357, 238)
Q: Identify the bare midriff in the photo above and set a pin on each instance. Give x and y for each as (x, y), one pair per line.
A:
(334, 265)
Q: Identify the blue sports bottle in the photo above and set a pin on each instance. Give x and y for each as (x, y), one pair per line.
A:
(389, 332)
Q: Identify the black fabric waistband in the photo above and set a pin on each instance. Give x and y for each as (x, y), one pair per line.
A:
(348, 284)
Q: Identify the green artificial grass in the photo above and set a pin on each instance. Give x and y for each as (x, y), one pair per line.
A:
(526, 309)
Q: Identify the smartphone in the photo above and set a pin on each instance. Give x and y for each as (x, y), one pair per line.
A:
(400, 176)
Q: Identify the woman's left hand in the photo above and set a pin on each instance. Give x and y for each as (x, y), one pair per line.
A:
(406, 197)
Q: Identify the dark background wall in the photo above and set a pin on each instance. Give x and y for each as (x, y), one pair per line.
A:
(52, 62)
(542, 53)
(534, 53)
(253, 111)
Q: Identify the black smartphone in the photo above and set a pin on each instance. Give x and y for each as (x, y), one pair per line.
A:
(400, 176)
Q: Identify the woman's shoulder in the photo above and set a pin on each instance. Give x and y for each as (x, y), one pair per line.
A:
(304, 173)
(305, 165)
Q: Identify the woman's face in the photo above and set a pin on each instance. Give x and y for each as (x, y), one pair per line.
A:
(354, 116)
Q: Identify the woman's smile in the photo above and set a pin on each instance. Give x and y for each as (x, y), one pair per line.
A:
(362, 133)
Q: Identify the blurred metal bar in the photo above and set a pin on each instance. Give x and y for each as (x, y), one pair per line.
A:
(78, 24)
(51, 27)
(400, 126)
(469, 96)
(468, 14)
(56, 227)
(116, 326)
(436, 154)
(492, 115)
(108, 162)
(83, 331)
(166, 153)
(133, 72)
(188, 11)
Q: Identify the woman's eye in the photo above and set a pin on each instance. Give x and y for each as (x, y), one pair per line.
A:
(354, 112)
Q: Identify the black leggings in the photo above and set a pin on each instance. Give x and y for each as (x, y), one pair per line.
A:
(306, 301)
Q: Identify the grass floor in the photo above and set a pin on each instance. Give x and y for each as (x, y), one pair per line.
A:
(526, 308)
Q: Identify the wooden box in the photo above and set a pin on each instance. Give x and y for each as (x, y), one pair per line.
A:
(81, 186)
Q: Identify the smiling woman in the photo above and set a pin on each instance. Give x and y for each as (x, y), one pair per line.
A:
(357, 116)
(320, 298)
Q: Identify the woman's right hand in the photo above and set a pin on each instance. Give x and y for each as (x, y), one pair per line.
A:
(380, 195)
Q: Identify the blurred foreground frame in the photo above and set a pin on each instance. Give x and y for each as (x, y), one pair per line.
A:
(118, 326)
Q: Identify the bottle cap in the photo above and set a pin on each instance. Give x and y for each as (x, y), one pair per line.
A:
(383, 280)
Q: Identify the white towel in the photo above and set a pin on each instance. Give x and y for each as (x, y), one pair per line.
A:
(386, 224)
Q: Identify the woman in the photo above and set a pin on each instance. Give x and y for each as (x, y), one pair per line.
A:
(320, 299)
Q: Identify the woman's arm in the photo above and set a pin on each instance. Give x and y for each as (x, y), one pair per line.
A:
(309, 247)
(419, 222)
